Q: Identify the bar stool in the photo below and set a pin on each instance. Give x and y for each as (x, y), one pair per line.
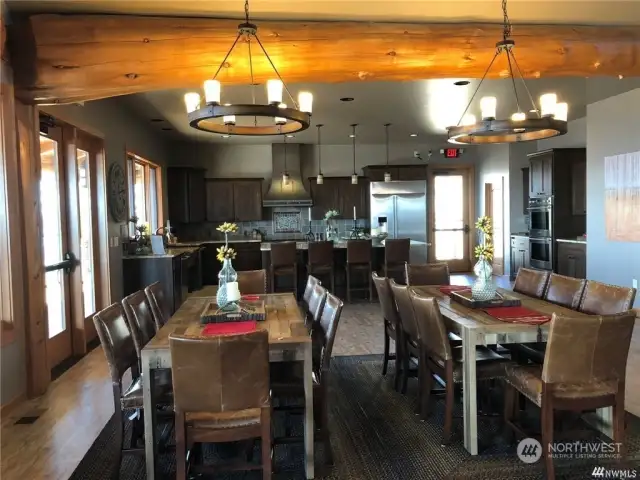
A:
(359, 260)
(283, 263)
(320, 260)
(396, 254)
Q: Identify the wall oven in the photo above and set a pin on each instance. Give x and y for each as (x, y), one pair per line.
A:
(541, 253)
(540, 217)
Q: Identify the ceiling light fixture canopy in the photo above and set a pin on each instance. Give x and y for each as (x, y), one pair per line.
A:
(549, 120)
(274, 118)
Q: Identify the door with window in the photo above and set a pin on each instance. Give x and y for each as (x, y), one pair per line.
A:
(69, 234)
(450, 193)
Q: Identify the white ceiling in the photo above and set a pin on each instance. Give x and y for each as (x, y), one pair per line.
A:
(599, 12)
(425, 107)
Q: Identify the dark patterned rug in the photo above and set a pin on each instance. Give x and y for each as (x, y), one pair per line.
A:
(375, 435)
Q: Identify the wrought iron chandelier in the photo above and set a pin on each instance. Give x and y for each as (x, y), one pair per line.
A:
(275, 118)
(548, 121)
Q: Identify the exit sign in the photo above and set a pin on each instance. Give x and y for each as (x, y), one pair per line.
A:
(451, 152)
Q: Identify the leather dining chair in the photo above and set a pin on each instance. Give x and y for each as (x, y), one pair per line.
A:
(158, 303)
(427, 274)
(252, 282)
(531, 282)
(221, 394)
(584, 369)
(396, 255)
(140, 320)
(391, 329)
(308, 289)
(316, 304)
(602, 299)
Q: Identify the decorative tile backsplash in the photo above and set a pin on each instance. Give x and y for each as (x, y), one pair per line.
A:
(287, 222)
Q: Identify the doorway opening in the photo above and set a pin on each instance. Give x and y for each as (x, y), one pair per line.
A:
(494, 209)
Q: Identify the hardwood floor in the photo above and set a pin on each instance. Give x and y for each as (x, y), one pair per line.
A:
(79, 403)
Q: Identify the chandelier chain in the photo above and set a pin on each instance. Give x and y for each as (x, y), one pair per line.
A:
(253, 83)
(246, 10)
(533, 103)
(478, 87)
(507, 23)
(295, 104)
(319, 149)
(284, 139)
(513, 80)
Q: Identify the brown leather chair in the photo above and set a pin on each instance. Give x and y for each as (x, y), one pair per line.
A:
(221, 394)
(391, 324)
(359, 260)
(531, 282)
(565, 291)
(140, 319)
(284, 263)
(584, 369)
(252, 282)
(308, 289)
(320, 261)
(117, 344)
(396, 255)
(602, 299)
(427, 274)
(316, 303)
(439, 358)
(159, 306)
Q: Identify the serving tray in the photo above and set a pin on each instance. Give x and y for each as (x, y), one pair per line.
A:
(501, 300)
(244, 311)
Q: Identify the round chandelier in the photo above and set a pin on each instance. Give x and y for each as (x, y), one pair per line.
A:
(253, 119)
(548, 121)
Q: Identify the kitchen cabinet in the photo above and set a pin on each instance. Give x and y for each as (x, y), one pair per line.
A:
(337, 193)
(247, 200)
(572, 259)
(234, 200)
(186, 192)
(325, 197)
(375, 173)
(519, 254)
(579, 187)
(411, 172)
(541, 174)
(220, 201)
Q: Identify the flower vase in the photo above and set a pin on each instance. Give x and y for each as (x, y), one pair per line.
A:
(227, 274)
(331, 231)
(483, 288)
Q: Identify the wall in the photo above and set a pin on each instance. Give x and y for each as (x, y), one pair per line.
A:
(611, 129)
(576, 137)
(517, 161)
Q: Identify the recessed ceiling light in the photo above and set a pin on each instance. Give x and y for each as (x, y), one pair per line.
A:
(533, 111)
(226, 136)
(413, 134)
(462, 83)
(346, 99)
(157, 119)
(351, 135)
(289, 136)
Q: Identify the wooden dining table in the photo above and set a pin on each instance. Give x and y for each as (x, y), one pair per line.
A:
(289, 340)
(476, 327)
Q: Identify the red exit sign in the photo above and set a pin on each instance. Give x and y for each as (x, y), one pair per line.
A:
(451, 152)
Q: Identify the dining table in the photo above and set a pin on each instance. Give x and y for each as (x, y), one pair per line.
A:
(289, 340)
(478, 328)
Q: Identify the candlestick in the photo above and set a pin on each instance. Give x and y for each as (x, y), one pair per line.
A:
(309, 213)
(354, 212)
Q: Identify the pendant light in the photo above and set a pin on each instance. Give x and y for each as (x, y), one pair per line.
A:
(354, 176)
(320, 178)
(387, 174)
(285, 175)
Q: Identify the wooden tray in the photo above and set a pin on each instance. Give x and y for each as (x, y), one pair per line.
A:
(244, 311)
(501, 300)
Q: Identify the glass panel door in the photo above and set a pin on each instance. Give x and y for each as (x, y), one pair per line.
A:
(86, 233)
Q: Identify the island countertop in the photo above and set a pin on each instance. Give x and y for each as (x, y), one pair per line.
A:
(170, 252)
(572, 240)
(341, 244)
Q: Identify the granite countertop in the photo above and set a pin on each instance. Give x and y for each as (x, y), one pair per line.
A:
(169, 253)
(197, 243)
(340, 244)
(582, 241)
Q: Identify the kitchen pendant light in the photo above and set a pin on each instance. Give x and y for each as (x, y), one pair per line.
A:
(387, 174)
(354, 176)
(320, 178)
(252, 119)
(550, 119)
(285, 175)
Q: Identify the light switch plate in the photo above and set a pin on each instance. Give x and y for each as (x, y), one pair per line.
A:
(634, 283)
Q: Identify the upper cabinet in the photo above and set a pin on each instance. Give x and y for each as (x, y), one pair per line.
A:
(337, 193)
(375, 173)
(186, 194)
(220, 201)
(234, 200)
(541, 174)
(247, 200)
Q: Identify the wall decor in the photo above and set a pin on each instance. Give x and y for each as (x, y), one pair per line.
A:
(287, 222)
(622, 197)
(117, 192)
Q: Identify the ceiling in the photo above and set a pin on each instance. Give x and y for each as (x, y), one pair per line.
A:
(424, 107)
(599, 12)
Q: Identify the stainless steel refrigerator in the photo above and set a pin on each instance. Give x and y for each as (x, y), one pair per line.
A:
(403, 207)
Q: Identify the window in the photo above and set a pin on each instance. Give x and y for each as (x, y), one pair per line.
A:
(145, 192)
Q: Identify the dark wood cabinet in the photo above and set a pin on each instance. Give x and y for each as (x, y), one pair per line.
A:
(572, 259)
(579, 187)
(411, 172)
(541, 174)
(338, 193)
(247, 200)
(519, 254)
(219, 201)
(234, 200)
(325, 197)
(187, 194)
(375, 173)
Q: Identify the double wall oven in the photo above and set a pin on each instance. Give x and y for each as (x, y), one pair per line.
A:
(541, 232)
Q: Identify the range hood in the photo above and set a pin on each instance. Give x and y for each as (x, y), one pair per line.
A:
(294, 194)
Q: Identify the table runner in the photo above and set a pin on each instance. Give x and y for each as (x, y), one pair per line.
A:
(518, 315)
(449, 289)
(229, 328)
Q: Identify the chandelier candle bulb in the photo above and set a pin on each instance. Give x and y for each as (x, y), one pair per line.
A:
(280, 120)
(488, 107)
(212, 91)
(320, 179)
(518, 117)
(285, 179)
(548, 104)
(274, 91)
(387, 177)
(192, 101)
(562, 111)
(305, 102)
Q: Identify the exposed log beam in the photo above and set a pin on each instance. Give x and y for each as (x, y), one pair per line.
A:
(61, 59)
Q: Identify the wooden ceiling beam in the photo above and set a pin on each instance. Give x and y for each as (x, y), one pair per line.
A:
(71, 58)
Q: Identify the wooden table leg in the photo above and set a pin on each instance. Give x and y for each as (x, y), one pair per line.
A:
(470, 394)
(309, 427)
(149, 415)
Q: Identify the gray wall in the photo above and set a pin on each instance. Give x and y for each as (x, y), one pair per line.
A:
(517, 161)
(612, 129)
(576, 137)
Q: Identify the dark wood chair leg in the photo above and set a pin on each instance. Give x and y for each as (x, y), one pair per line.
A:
(405, 368)
(181, 447)
(547, 433)
(273, 280)
(426, 388)
(370, 282)
(399, 357)
(295, 281)
(266, 444)
(421, 365)
(326, 438)
(119, 414)
(333, 280)
(385, 360)
(448, 413)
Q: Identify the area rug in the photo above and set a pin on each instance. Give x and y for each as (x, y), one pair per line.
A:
(376, 435)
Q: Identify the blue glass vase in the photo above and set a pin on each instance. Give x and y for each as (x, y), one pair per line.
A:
(483, 288)
(227, 274)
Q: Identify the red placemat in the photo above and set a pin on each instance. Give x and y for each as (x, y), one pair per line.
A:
(449, 289)
(518, 315)
(228, 328)
(251, 298)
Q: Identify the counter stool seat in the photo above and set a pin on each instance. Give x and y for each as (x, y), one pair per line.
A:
(359, 260)
(320, 261)
(283, 264)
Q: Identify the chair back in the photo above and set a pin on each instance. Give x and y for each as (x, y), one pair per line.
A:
(324, 332)
(602, 299)
(116, 340)
(531, 282)
(308, 289)
(583, 350)
(140, 319)
(283, 254)
(252, 282)
(220, 374)
(320, 253)
(387, 303)
(396, 250)
(427, 274)
(565, 291)
(405, 310)
(433, 330)
(358, 251)
(317, 301)
(159, 305)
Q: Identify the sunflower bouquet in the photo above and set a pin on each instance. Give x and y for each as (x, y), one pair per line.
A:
(227, 227)
(225, 253)
(485, 248)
